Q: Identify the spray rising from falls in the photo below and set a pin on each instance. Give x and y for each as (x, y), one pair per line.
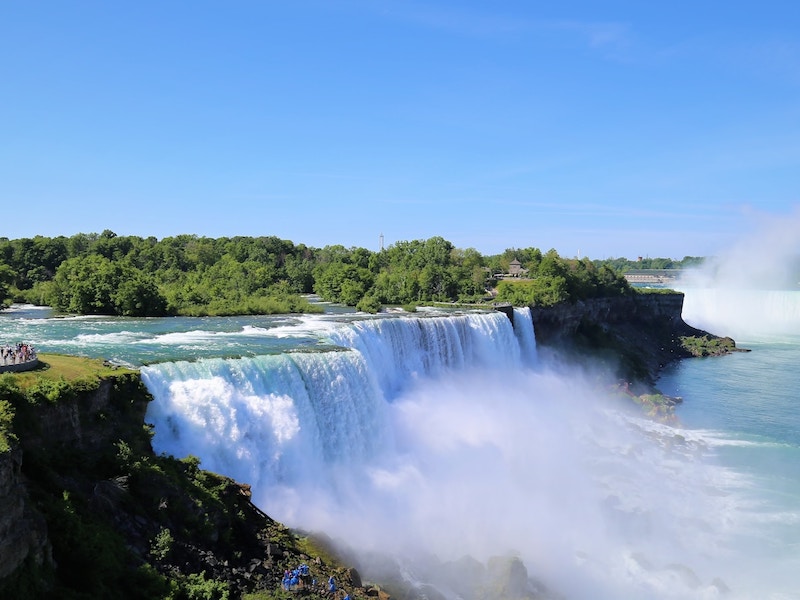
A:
(441, 435)
(752, 289)
(743, 313)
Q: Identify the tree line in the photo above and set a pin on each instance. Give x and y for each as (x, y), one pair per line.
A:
(112, 274)
(623, 264)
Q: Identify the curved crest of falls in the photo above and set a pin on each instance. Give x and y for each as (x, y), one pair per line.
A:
(743, 313)
(257, 418)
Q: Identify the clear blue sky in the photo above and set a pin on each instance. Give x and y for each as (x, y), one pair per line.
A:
(596, 128)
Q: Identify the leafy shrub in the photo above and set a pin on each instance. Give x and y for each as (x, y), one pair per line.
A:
(197, 587)
(161, 546)
(707, 345)
(6, 422)
(368, 304)
(50, 390)
(542, 291)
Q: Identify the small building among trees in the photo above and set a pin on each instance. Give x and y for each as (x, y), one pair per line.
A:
(515, 269)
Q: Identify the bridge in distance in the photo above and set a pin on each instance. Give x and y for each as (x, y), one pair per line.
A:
(655, 276)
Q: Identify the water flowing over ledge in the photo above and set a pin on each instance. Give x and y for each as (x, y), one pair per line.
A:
(258, 419)
(744, 313)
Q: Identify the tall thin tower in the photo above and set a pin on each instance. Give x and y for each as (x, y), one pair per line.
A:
(381, 238)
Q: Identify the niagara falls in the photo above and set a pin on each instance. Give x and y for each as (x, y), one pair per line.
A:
(400, 300)
(419, 441)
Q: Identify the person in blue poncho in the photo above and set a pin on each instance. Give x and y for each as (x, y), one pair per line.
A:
(331, 584)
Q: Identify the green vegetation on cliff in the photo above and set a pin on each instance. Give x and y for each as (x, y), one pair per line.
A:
(621, 265)
(555, 280)
(707, 345)
(58, 377)
(6, 424)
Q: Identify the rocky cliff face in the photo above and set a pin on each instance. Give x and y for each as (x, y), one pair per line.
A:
(652, 310)
(85, 424)
(635, 336)
(23, 532)
(88, 422)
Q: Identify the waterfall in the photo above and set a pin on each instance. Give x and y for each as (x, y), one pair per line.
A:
(523, 328)
(430, 436)
(292, 419)
(742, 313)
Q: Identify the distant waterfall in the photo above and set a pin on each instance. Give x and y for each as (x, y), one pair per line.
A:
(289, 417)
(743, 312)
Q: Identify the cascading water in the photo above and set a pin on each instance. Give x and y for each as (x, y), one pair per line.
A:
(294, 419)
(523, 329)
(741, 312)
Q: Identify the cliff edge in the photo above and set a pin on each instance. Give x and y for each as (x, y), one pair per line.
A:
(631, 337)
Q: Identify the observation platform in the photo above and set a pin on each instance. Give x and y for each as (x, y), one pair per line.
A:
(16, 363)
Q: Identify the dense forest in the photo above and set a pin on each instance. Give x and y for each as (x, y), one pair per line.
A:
(112, 274)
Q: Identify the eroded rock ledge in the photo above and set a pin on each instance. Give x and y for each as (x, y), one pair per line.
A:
(634, 337)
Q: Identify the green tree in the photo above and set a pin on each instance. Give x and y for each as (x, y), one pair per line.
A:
(94, 284)
(6, 277)
(342, 282)
(435, 283)
(138, 295)
(299, 274)
(397, 285)
(368, 304)
(542, 291)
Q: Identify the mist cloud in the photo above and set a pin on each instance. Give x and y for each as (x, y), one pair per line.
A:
(596, 503)
(750, 288)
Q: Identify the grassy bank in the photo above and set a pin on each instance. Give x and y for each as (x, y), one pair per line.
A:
(58, 367)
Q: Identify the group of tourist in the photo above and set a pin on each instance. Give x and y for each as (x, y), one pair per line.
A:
(300, 577)
(14, 355)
